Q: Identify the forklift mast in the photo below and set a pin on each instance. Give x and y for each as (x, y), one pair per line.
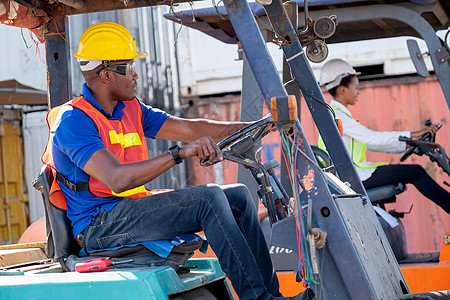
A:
(354, 234)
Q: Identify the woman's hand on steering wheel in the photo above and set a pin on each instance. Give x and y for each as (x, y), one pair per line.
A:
(426, 134)
(432, 129)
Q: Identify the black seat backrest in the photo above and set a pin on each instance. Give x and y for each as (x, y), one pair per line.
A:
(60, 242)
(385, 194)
(58, 225)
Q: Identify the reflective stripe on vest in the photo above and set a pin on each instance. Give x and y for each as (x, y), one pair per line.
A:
(358, 150)
(123, 138)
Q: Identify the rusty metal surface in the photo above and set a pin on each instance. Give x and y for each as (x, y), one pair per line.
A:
(13, 92)
(90, 6)
(40, 16)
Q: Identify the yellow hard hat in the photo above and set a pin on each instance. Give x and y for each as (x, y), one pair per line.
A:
(107, 41)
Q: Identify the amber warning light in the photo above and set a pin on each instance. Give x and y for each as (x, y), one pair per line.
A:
(284, 109)
(339, 126)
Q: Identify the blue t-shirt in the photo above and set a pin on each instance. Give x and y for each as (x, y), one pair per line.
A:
(74, 140)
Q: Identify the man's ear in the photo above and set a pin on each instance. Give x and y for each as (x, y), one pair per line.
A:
(105, 76)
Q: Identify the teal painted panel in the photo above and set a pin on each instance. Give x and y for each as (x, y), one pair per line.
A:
(10, 273)
(142, 283)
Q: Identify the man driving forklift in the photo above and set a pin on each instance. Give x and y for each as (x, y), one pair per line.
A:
(97, 148)
(341, 81)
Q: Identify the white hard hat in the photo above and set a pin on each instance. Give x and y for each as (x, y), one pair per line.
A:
(333, 71)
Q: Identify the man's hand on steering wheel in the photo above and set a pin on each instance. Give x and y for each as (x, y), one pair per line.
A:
(256, 131)
(203, 148)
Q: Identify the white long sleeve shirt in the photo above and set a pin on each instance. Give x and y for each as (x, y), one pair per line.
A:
(379, 141)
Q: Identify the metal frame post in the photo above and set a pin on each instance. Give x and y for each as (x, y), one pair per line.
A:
(57, 55)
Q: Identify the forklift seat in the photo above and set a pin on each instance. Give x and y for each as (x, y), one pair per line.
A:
(385, 194)
(62, 247)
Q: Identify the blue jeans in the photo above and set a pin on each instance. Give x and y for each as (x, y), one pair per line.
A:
(226, 214)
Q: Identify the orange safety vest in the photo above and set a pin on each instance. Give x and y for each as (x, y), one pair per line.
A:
(123, 138)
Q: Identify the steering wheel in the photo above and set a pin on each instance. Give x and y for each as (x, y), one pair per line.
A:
(412, 148)
(427, 137)
(243, 140)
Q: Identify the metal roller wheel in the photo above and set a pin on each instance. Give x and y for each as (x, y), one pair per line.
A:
(317, 51)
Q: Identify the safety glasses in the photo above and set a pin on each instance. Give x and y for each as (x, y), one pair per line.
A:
(126, 69)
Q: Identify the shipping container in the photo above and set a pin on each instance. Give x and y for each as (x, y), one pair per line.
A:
(401, 103)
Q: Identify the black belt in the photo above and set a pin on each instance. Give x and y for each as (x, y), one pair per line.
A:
(83, 186)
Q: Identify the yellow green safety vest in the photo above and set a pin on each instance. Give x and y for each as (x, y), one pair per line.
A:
(358, 150)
